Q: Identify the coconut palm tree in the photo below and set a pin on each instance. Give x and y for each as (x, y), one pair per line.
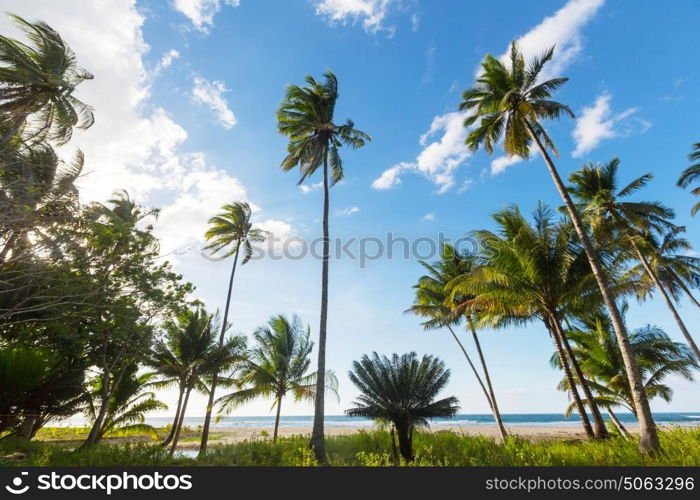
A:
(434, 302)
(38, 80)
(278, 365)
(305, 116)
(595, 187)
(595, 346)
(691, 174)
(402, 391)
(128, 403)
(228, 232)
(534, 272)
(507, 104)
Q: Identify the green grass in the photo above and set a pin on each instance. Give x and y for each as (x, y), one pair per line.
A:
(680, 447)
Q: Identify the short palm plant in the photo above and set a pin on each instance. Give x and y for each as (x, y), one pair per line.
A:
(306, 117)
(507, 104)
(278, 365)
(402, 391)
(228, 233)
(692, 174)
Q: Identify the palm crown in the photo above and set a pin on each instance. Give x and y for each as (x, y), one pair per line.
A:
(232, 228)
(692, 174)
(507, 103)
(306, 117)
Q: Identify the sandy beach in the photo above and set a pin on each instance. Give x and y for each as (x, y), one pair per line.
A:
(229, 435)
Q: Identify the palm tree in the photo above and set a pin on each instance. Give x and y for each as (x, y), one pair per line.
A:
(599, 355)
(401, 390)
(434, 302)
(305, 116)
(189, 355)
(128, 403)
(276, 366)
(38, 80)
(507, 103)
(595, 188)
(534, 272)
(691, 174)
(228, 232)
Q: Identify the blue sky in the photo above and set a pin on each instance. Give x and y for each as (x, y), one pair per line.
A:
(185, 94)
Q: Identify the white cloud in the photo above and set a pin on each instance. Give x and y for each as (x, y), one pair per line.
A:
(346, 211)
(201, 12)
(439, 158)
(168, 58)
(372, 13)
(428, 217)
(307, 188)
(597, 123)
(500, 164)
(465, 186)
(211, 94)
(563, 29)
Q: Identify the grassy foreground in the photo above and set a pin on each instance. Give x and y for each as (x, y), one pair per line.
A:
(680, 447)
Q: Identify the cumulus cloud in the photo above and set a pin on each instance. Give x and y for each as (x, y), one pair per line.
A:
(428, 217)
(201, 12)
(597, 123)
(501, 163)
(346, 211)
(371, 13)
(390, 177)
(211, 94)
(307, 188)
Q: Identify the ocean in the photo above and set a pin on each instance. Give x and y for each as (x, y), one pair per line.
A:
(510, 419)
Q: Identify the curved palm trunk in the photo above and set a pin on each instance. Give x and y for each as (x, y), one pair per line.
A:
(176, 437)
(648, 436)
(667, 299)
(318, 440)
(570, 378)
(175, 420)
(600, 430)
(214, 380)
(618, 424)
(277, 418)
(471, 365)
(491, 393)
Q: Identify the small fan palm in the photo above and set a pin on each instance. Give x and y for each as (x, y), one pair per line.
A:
(278, 365)
(434, 302)
(228, 232)
(401, 390)
(305, 116)
(38, 81)
(595, 188)
(692, 174)
(507, 105)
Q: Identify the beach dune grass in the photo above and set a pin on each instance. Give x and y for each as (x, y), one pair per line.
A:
(681, 447)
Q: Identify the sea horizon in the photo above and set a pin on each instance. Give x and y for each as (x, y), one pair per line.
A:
(464, 419)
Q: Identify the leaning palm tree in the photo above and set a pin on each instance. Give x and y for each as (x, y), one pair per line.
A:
(228, 232)
(434, 302)
(535, 272)
(401, 390)
(507, 104)
(37, 81)
(305, 116)
(599, 355)
(691, 174)
(278, 365)
(595, 187)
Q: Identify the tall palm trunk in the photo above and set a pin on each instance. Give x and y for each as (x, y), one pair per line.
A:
(214, 380)
(667, 299)
(600, 430)
(492, 394)
(277, 418)
(318, 440)
(570, 378)
(501, 429)
(176, 437)
(618, 424)
(648, 436)
(176, 419)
